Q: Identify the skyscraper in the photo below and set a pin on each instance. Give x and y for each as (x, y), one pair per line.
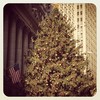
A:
(83, 18)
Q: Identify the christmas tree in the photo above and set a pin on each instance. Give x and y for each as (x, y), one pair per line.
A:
(55, 67)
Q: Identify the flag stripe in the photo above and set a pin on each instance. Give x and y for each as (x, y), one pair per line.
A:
(12, 71)
(15, 74)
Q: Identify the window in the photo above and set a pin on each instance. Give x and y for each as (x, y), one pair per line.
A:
(77, 19)
(81, 40)
(81, 6)
(81, 34)
(77, 6)
(77, 26)
(81, 19)
(81, 27)
(81, 12)
(77, 13)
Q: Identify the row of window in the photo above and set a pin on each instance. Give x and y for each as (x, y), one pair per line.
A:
(91, 7)
(90, 21)
(80, 19)
(79, 6)
(79, 13)
(91, 27)
(90, 12)
(79, 27)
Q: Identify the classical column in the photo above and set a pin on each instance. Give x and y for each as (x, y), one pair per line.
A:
(6, 28)
(19, 40)
(25, 47)
(12, 40)
(26, 43)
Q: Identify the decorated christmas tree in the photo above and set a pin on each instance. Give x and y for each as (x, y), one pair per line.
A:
(55, 67)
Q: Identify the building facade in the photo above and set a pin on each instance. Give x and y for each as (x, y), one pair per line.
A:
(83, 18)
(20, 24)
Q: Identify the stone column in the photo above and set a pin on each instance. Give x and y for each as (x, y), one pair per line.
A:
(19, 44)
(26, 43)
(12, 40)
(25, 47)
(6, 28)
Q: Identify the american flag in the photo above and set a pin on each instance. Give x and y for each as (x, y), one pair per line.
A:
(15, 74)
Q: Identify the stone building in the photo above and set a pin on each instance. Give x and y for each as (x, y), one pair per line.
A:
(20, 23)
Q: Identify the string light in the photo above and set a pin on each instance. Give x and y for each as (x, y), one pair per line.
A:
(54, 71)
(44, 48)
(56, 54)
(38, 49)
(50, 59)
(56, 38)
(37, 68)
(60, 64)
(47, 84)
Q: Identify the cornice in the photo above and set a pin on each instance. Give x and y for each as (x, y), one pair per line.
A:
(26, 20)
